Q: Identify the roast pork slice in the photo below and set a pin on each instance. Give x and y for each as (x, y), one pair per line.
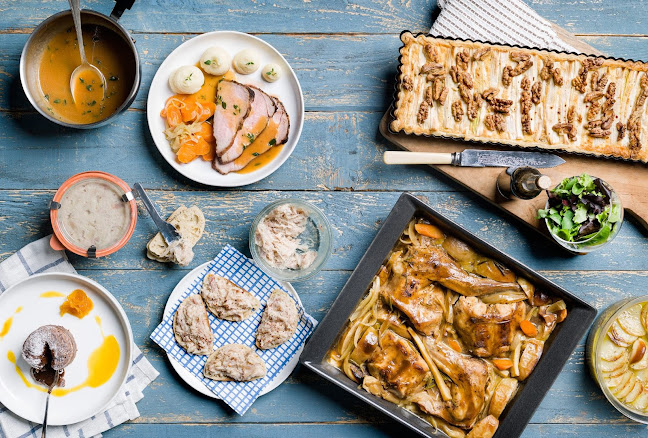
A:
(284, 122)
(233, 101)
(253, 125)
(275, 134)
(269, 100)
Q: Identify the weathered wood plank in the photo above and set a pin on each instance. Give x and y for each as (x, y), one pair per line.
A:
(355, 218)
(336, 151)
(319, 16)
(381, 430)
(337, 72)
(574, 397)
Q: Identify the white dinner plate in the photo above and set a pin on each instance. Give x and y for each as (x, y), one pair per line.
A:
(29, 403)
(286, 88)
(194, 381)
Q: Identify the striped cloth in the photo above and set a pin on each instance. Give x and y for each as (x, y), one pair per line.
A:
(36, 258)
(498, 21)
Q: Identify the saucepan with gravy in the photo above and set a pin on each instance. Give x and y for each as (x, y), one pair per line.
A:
(51, 55)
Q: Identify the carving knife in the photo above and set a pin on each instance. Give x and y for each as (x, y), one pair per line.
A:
(475, 158)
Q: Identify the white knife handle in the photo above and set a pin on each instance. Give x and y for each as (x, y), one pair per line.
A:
(403, 157)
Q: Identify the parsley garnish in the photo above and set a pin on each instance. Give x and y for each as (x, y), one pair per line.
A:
(46, 97)
(82, 81)
(57, 100)
(250, 136)
(208, 62)
(272, 142)
(224, 104)
(271, 72)
(256, 154)
(188, 78)
(250, 63)
(93, 103)
(89, 87)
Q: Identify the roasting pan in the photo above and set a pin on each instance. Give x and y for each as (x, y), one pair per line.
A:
(557, 349)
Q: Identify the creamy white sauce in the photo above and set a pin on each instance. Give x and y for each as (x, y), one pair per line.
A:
(92, 213)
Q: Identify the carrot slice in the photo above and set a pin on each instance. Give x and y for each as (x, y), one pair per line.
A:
(429, 231)
(206, 132)
(208, 109)
(210, 155)
(201, 147)
(454, 345)
(528, 328)
(173, 116)
(186, 154)
(190, 111)
(503, 364)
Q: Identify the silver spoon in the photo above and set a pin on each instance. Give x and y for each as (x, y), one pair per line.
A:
(167, 230)
(85, 65)
(49, 394)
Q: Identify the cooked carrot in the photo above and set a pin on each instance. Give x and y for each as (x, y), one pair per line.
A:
(210, 155)
(206, 132)
(528, 328)
(186, 154)
(454, 345)
(202, 147)
(173, 116)
(503, 364)
(195, 113)
(429, 231)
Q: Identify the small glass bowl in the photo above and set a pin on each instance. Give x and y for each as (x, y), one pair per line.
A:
(597, 333)
(585, 246)
(318, 231)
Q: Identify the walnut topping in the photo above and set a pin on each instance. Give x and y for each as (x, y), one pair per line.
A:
(501, 105)
(566, 128)
(547, 71)
(466, 78)
(611, 90)
(634, 132)
(423, 112)
(478, 99)
(607, 119)
(453, 74)
(473, 107)
(621, 129)
(429, 95)
(490, 94)
(525, 84)
(519, 56)
(495, 122)
(480, 53)
(431, 52)
(443, 95)
(536, 92)
(464, 92)
(600, 85)
(593, 95)
(594, 110)
(457, 110)
(571, 114)
(580, 81)
(578, 84)
(525, 106)
(557, 77)
(594, 83)
(407, 83)
(463, 58)
(437, 88)
(506, 76)
(599, 133)
(433, 68)
(593, 124)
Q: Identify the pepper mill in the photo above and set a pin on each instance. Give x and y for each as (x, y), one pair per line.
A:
(522, 182)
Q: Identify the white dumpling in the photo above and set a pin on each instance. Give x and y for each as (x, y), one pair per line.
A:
(271, 72)
(216, 61)
(187, 79)
(246, 61)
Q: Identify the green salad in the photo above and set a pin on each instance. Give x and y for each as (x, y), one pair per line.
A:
(581, 208)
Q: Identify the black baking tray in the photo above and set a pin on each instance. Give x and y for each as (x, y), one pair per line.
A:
(557, 349)
(496, 143)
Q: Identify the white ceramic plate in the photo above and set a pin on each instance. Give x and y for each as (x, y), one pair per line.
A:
(29, 403)
(194, 381)
(287, 89)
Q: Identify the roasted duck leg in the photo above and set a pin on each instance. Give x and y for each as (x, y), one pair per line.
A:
(434, 264)
(468, 388)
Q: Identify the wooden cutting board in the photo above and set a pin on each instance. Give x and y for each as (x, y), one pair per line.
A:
(630, 180)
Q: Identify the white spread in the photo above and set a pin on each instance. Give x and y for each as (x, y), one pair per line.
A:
(92, 213)
(277, 238)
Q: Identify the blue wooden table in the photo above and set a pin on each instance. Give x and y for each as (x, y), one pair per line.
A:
(344, 53)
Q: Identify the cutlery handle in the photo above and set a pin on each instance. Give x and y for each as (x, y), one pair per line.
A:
(403, 157)
(150, 207)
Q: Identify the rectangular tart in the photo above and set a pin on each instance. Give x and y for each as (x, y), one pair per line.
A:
(522, 97)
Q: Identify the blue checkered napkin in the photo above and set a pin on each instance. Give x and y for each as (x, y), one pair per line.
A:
(234, 266)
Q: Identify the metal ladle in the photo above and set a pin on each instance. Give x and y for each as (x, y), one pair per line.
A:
(85, 65)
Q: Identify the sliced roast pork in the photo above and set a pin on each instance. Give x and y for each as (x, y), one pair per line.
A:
(269, 100)
(253, 125)
(233, 103)
(275, 134)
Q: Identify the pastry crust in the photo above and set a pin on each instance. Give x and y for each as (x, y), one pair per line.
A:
(542, 99)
